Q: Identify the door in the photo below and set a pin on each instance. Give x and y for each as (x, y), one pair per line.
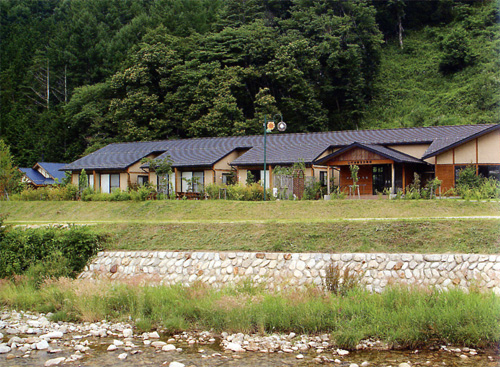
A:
(381, 178)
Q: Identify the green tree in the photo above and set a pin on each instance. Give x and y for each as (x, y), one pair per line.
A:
(9, 174)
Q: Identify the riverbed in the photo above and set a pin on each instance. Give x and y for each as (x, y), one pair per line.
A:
(34, 340)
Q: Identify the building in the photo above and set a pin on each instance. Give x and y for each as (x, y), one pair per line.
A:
(388, 158)
(43, 174)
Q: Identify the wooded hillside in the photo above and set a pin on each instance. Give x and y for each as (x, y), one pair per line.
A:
(76, 75)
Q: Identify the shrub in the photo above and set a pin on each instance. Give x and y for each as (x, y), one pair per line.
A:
(47, 249)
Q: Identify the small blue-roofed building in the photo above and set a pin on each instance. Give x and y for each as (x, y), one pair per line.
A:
(43, 174)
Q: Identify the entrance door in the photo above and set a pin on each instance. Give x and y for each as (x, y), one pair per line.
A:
(381, 178)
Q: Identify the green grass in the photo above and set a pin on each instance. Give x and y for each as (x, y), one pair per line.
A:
(303, 226)
(237, 211)
(419, 236)
(402, 317)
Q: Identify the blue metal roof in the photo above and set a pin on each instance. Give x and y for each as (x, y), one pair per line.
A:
(53, 169)
(36, 177)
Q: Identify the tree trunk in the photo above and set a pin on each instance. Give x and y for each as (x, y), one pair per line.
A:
(400, 31)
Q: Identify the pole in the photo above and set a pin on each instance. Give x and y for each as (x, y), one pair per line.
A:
(265, 129)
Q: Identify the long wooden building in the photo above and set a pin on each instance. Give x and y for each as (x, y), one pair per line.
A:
(388, 158)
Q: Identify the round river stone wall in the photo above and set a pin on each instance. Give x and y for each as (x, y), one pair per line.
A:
(279, 270)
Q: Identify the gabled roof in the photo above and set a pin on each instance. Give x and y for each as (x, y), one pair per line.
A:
(281, 148)
(53, 169)
(378, 149)
(196, 157)
(36, 177)
(443, 144)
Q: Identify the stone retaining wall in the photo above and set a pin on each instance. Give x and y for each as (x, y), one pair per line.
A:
(278, 270)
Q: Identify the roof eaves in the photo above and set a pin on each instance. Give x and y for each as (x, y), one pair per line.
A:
(462, 141)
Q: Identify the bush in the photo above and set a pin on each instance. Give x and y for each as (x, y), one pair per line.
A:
(252, 192)
(476, 187)
(53, 250)
(54, 193)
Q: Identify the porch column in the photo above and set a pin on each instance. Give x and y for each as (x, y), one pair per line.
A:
(393, 175)
(404, 179)
(176, 171)
(328, 179)
(270, 177)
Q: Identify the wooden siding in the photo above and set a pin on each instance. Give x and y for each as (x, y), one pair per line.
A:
(365, 175)
(446, 173)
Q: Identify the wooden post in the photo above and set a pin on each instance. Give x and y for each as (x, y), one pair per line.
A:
(270, 177)
(477, 157)
(176, 172)
(393, 174)
(328, 179)
(404, 179)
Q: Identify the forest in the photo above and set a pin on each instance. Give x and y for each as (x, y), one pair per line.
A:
(76, 75)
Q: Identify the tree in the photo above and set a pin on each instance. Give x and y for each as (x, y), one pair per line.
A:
(9, 174)
(163, 169)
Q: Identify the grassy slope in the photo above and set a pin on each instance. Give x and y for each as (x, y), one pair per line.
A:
(411, 91)
(238, 211)
(304, 226)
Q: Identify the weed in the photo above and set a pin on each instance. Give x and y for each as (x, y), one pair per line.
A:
(340, 281)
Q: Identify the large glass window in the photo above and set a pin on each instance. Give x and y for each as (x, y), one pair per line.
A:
(114, 181)
(489, 171)
(142, 180)
(457, 172)
(198, 180)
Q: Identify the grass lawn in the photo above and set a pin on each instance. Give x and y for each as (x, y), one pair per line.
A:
(239, 211)
(419, 236)
(435, 226)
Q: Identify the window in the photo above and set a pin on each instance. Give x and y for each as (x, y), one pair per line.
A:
(142, 180)
(490, 171)
(457, 172)
(114, 181)
(105, 183)
(198, 181)
(165, 183)
(228, 178)
(91, 181)
(323, 178)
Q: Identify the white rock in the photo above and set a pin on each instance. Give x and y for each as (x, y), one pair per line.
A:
(127, 333)
(42, 345)
(112, 347)
(118, 343)
(300, 356)
(52, 335)
(353, 365)
(342, 352)
(1, 336)
(176, 364)
(235, 347)
(158, 344)
(365, 364)
(168, 348)
(154, 335)
(404, 364)
(4, 349)
(54, 361)
(123, 356)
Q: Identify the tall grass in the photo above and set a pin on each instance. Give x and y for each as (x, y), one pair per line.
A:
(400, 316)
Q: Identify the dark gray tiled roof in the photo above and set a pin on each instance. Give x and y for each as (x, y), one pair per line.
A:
(444, 143)
(379, 149)
(281, 148)
(192, 157)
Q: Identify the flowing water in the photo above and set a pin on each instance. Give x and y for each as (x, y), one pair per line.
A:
(212, 355)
